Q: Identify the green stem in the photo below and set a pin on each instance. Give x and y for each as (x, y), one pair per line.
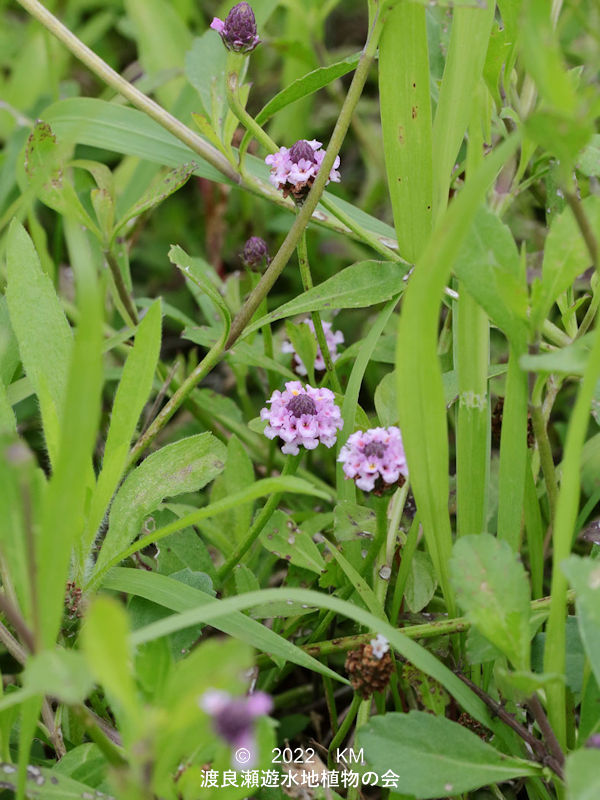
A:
(362, 717)
(427, 630)
(408, 552)
(547, 462)
(342, 731)
(330, 700)
(124, 295)
(291, 465)
(244, 117)
(307, 283)
(388, 549)
(304, 216)
(127, 90)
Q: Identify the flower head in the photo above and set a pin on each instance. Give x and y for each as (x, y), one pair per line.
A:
(333, 338)
(255, 252)
(294, 170)
(379, 646)
(238, 32)
(374, 459)
(234, 718)
(302, 416)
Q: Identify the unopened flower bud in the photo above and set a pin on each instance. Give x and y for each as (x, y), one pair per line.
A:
(238, 32)
(255, 252)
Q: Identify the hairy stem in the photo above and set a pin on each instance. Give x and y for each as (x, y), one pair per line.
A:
(124, 295)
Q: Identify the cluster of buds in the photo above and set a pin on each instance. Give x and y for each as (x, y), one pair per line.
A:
(238, 31)
(302, 416)
(375, 459)
(370, 667)
(333, 338)
(294, 169)
(234, 720)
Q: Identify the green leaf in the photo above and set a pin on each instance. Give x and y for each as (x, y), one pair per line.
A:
(352, 521)
(492, 588)
(63, 674)
(304, 343)
(68, 489)
(164, 186)
(582, 772)
(589, 159)
(171, 594)
(42, 331)
(360, 585)
(421, 583)
(185, 466)
(46, 784)
(358, 286)
(565, 257)
(306, 85)
(282, 537)
(434, 756)
(106, 644)
(488, 267)
(569, 360)
(130, 398)
(405, 106)
(584, 576)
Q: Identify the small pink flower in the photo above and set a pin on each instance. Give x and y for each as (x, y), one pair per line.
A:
(294, 170)
(234, 719)
(374, 459)
(302, 416)
(333, 338)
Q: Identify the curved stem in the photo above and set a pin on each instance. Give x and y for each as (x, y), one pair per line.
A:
(290, 467)
(304, 216)
(342, 731)
(127, 90)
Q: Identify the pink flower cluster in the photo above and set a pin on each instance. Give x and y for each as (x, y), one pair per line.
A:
(294, 170)
(374, 459)
(333, 338)
(302, 416)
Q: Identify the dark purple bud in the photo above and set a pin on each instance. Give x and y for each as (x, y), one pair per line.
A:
(594, 741)
(255, 252)
(239, 29)
(302, 404)
(302, 150)
(376, 449)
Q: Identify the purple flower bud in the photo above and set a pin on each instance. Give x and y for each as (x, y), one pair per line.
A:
(302, 416)
(594, 741)
(374, 459)
(234, 719)
(255, 252)
(302, 150)
(239, 29)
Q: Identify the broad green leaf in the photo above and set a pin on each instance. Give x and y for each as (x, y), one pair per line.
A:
(590, 465)
(405, 105)
(238, 475)
(63, 674)
(386, 403)
(130, 399)
(491, 586)
(252, 355)
(421, 583)
(363, 284)
(565, 257)
(582, 772)
(589, 160)
(282, 537)
(84, 763)
(584, 576)
(68, 489)
(42, 331)
(304, 343)
(488, 267)
(171, 594)
(423, 418)
(434, 756)
(352, 521)
(105, 641)
(185, 466)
